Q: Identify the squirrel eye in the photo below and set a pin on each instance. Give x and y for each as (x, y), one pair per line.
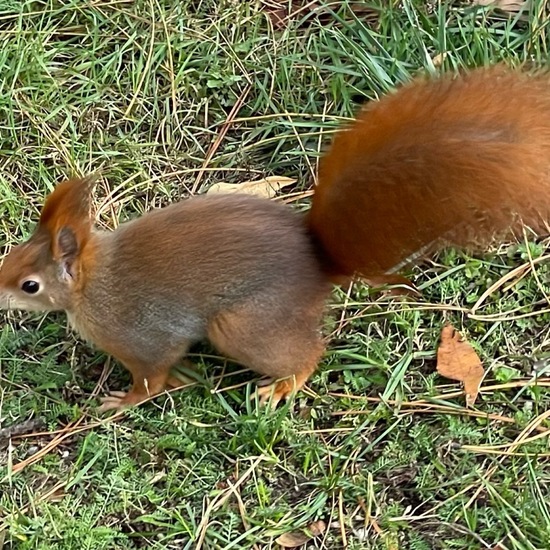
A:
(30, 287)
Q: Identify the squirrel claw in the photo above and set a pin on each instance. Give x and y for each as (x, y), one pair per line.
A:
(115, 400)
(271, 393)
(109, 404)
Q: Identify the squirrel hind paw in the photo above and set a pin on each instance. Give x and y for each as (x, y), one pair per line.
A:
(112, 402)
(271, 392)
(117, 400)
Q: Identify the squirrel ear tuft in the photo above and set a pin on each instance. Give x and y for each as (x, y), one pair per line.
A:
(67, 217)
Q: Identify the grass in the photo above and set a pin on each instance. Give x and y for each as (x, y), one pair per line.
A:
(167, 98)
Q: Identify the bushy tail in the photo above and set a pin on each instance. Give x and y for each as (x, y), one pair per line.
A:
(447, 161)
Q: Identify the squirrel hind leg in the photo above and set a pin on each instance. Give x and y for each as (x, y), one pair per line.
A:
(286, 350)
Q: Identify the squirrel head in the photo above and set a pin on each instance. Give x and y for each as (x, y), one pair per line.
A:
(42, 273)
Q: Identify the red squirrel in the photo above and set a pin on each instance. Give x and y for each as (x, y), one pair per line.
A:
(442, 161)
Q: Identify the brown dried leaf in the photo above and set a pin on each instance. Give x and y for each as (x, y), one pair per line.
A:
(510, 6)
(457, 360)
(266, 187)
(299, 538)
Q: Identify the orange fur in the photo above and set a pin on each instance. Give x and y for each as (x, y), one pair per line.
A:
(447, 161)
(69, 205)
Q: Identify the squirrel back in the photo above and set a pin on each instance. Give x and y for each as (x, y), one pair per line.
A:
(445, 161)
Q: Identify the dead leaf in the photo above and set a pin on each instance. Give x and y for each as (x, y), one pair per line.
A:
(266, 187)
(510, 6)
(457, 360)
(299, 538)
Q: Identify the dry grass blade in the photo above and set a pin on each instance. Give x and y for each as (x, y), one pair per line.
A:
(220, 137)
(222, 498)
(518, 441)
(518, 271)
